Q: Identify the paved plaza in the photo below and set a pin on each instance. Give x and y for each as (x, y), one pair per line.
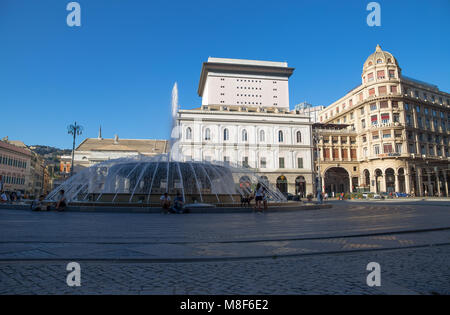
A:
(302, 252)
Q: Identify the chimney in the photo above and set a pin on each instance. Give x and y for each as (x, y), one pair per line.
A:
(100, 133)
(116, 139)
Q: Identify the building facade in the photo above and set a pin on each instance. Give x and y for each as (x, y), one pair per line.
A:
(398, 130)
(14, 167)
(22, 169)
(309, 110)
(245, 120)
(95, 150)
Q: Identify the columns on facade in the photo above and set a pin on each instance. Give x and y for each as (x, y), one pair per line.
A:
(419, 173)
(397, 182)
(383, 182)
(446, 183)
(438, 180)
(407, 182)
(430, 186)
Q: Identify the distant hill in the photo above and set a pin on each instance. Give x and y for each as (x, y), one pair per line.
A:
(49, 153)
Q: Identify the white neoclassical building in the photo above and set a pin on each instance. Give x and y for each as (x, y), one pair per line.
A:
(245, 119)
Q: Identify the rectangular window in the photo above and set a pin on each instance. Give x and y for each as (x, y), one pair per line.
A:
(394, 104)
(396, 118)
(384, 104)
(281, 162)
(300, 162)
(373, 106)
(391, 73)
(382, 90)
(393, 89)
(263, 163)
(353, 154)
(380, 74)
(371, 92)
(408, 120)
(344, 153)
(387, 148)
(370, 77)
(385, 119)
(375, 135)
(374, 119)
(335, 153)
(245, 161)
(386, 134)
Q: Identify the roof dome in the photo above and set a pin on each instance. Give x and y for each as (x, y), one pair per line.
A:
(380, 57)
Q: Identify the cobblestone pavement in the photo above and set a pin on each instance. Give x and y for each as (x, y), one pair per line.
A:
(149, 254)
(406, 271)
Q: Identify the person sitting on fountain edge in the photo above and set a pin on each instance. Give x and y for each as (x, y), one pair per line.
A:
(178, 203)
(165, 202)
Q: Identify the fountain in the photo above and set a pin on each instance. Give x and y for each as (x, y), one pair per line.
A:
(143, 179)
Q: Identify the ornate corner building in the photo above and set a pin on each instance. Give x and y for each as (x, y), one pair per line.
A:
(389, 134)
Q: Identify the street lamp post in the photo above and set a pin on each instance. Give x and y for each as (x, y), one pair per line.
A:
(317, 139)
(75, 130)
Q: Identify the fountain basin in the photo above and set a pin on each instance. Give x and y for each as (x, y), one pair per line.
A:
(143, 180)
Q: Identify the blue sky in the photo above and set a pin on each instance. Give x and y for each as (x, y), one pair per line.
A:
(119, 67)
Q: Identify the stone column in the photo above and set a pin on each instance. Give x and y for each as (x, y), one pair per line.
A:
(438, 183)
(375, 179)
(419, 182)
(430, 187)
(446, 183)
(383, 183)
(397, 183)
(407, 183)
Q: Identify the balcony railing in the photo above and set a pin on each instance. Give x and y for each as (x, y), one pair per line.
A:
(337, 131)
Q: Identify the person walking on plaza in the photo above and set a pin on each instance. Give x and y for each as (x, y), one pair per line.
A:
(61, 204)
(258, 197)
(265, 197)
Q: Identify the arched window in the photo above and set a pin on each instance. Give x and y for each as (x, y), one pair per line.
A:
(226, 135)
(299, 137)
(207, 134)
(189, 133)
(244, 135)
(280, 136)
(262, 136)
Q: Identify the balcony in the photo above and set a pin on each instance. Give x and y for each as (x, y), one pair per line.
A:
(336, 131)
